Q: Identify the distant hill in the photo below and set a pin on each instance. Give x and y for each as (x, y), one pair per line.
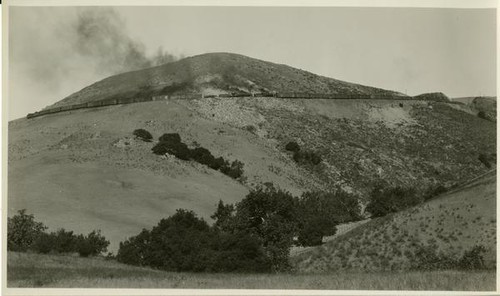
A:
(435, 97)
(219, 73)
(485, 107)
(448, 225)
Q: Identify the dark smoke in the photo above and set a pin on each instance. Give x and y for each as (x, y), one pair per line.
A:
(101, 37)
(56, 51)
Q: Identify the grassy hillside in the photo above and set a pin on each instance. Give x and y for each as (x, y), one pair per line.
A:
(83, 169)
(217, 73)
(450, 224)
(47, 271)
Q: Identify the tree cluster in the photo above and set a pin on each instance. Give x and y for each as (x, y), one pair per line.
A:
(254, 235)
(26, 234)
(172, 144)
(184, 242)
(385, 200)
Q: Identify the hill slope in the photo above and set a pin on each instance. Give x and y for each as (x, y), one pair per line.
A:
(450, 224)
(217, 73)
(83, 169)
(75, 169)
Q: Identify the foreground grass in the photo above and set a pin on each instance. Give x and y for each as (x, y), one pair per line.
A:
(33, 270)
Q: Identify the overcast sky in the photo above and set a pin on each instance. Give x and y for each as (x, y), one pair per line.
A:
(55, 51)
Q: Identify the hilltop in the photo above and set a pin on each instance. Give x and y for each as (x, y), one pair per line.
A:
(218, 73)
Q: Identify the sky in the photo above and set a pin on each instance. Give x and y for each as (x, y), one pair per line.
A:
(56, 51)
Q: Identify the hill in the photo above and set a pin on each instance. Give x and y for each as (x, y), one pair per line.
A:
(436, 97)
(83, 169)
(218, 73)
(448, 225)
(476, 105)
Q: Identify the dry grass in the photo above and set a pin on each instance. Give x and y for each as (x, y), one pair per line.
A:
(32, 270)
(451, 224)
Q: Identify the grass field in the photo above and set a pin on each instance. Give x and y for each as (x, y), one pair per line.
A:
(33, 270)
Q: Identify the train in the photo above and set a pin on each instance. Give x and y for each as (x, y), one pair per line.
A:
(284, 95)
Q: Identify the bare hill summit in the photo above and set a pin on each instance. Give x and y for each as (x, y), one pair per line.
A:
(219, 73)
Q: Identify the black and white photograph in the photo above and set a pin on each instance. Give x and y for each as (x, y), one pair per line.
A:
(280, 148)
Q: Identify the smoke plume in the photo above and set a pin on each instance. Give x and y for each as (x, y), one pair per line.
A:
(55, 51)
(100, 36)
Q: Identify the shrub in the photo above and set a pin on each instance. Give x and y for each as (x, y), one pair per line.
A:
(217, 164)
(484, 159)
(178, 149)
(473, 259)
(314, 228)
(251, 128)
(136, 250)
(235, 170)
(307, 157)
(64, 241)
(23, 231)
(292, 146)
(143, 135)
(172, 137)
(224, 216)
(390, 200)
(91, 245)
(482, 115)
(203, 156)
(44, 243)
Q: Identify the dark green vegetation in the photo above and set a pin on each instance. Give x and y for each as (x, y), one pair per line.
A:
(384, 201)
(25, 234)
(52, 271)
(255, 235)
(143, 135)
(172, 144)
(183, 242)
(303, 156)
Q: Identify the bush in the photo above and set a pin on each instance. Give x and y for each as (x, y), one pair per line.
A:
(143, 135)
(217, 164)
(173, 137)
(178, 149)
(235, 170)
(224, 217)
(320, 212)
(91, 245)
(307, 157)
(384, 201)
(473, 259)
(203, 156)
(313, 230)
(44, 244)
(292, 146)
(484, 159)
(23, 231)
(136, 250)
(482, 115)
